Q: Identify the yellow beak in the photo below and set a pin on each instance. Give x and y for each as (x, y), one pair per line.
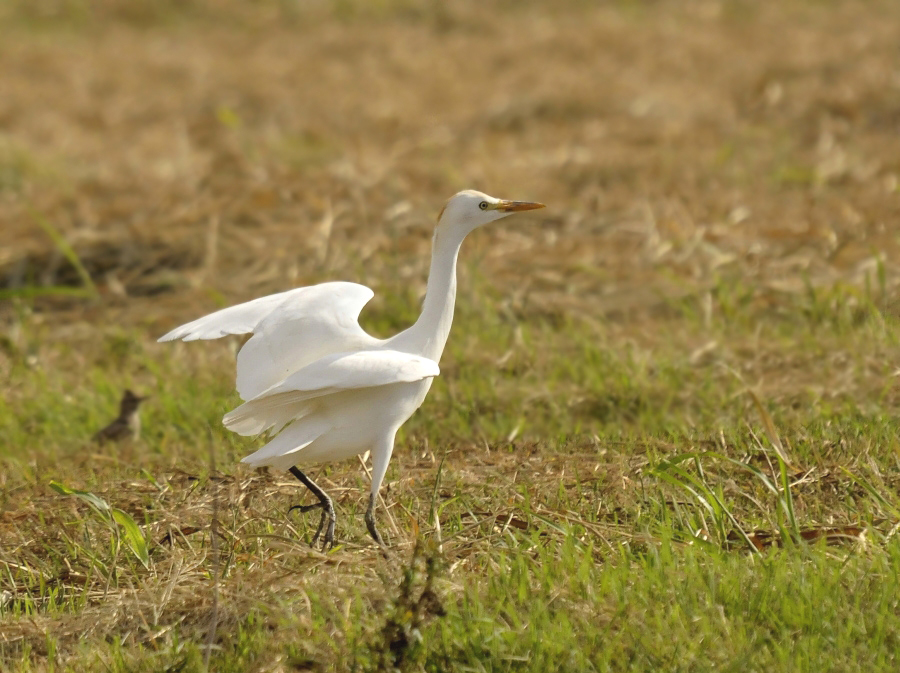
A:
(517, 206)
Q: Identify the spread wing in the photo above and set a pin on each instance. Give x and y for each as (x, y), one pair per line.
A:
(289, 399)
(290, 331)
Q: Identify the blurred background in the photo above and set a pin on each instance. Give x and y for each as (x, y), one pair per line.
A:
(722, 180)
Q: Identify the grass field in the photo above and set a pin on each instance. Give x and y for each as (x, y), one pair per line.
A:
(665, 436)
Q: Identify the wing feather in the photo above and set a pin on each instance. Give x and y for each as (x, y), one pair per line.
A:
(290, 331)
(330, 374)
(357, 369)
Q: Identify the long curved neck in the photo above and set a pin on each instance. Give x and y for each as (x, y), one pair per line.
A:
(428, 336)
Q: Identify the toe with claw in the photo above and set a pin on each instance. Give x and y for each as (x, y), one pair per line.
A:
(325, 504)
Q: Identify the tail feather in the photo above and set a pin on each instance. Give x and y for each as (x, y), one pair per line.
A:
(293, 439)
(268, 413)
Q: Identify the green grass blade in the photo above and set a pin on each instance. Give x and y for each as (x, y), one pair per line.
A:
(96, 502)
(133, 536)
(874, 492)
(787, 499)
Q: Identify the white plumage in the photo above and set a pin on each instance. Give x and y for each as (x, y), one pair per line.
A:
(328, 389)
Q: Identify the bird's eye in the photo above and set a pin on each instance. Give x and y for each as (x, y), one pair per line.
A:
(483, 205)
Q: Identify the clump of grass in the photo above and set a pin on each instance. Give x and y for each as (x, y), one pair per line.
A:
(398, 644)
(121, 524)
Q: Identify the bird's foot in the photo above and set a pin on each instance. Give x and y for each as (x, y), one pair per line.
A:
(370, 524)
(303, 509)
(328, 515)
(324, 503)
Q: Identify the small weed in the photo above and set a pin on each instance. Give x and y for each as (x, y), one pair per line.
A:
(398, 645)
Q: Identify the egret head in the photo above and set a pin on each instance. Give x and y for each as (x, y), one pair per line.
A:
(469, 210)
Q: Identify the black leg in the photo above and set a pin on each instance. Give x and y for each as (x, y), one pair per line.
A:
(326, 506)
(370, 522)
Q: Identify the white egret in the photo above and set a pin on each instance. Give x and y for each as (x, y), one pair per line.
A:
(325, 388)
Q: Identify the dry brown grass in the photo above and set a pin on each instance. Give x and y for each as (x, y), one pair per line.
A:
(672, 140)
